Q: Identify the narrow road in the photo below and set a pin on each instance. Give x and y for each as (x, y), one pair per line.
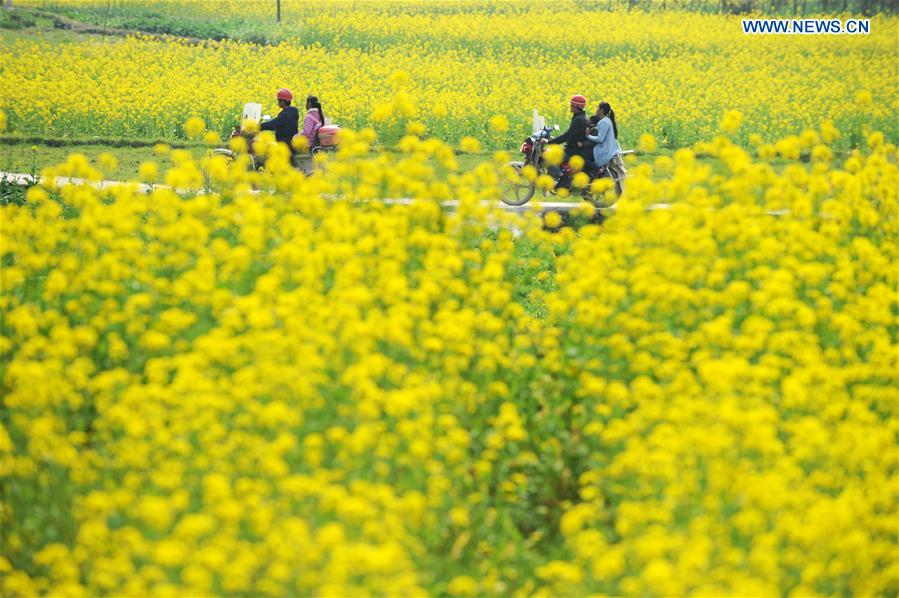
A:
(546, 206)
(562, 207)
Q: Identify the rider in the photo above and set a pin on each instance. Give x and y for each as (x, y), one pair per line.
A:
(285, 125)
(607, 152)
(575, 138)
(313, 121)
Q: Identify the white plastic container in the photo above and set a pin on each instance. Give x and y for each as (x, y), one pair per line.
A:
(252, 111)
(537, 122)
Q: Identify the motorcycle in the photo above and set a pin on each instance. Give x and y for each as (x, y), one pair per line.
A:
(328, 140)
(520, 189)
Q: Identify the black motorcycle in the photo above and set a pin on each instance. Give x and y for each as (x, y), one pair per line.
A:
(519, 189)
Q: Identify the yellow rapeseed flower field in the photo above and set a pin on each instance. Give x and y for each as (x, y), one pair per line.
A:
(670, 74)
(271, 392)
(260, 383)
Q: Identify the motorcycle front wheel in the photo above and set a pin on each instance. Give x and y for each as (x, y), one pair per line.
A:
(516, 189)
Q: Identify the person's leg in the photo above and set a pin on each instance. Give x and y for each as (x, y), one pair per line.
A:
(564, 180)
(618, 172)
(304, 163)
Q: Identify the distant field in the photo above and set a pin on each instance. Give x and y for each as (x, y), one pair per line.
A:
(451, 67)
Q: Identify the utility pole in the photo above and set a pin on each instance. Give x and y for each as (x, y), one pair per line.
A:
(279, 12)
(106, 18)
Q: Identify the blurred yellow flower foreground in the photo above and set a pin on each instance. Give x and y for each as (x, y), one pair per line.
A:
(276, 393)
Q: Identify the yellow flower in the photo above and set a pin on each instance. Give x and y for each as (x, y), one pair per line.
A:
(211, 138)
(382, 112)
(194, 127)
(470, 145)
(399, 80)
(580, 180)
(554, 154)
(875, 139)
(599, 186)
(822, 153)
(170, 553)
(417, 129)
(560, 572)
(148, 171)
(730, 122)
(239, 144)
(545, 182)
(647, 143)
(440, 110)
(552, 220)
(863, 97)
(829, 132)
(462, 585)
(459, 517)
(499, 123)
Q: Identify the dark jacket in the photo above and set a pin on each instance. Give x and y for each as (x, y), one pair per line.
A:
(577, 131)
(285, 125)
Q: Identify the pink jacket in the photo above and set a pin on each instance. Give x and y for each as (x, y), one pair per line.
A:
(311, 124)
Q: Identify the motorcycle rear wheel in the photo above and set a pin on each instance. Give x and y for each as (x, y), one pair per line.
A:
(519, 190)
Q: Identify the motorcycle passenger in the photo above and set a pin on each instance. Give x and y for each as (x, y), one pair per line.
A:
(607, 152)
(285, 125)
(574, 138)
(312, 122)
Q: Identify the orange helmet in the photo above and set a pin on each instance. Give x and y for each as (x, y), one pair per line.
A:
(284, 94)
(578, 100)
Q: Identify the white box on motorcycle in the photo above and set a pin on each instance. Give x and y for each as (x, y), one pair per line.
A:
(537, 122)
(252, 111)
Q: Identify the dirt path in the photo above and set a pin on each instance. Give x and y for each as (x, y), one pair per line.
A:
(69, 24)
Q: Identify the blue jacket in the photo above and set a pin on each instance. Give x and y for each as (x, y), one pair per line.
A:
(606, 145)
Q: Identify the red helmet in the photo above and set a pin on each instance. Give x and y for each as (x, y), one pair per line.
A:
(578, 100)
(284, 94)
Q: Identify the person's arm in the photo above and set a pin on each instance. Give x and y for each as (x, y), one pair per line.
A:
(273, 124)
(561, 138)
